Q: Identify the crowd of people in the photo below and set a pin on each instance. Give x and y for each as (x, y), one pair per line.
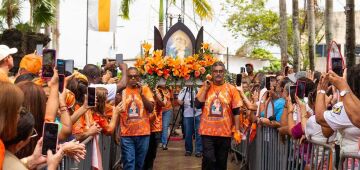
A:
(213, 114)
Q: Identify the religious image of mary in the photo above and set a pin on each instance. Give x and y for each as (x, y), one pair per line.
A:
(179, 45)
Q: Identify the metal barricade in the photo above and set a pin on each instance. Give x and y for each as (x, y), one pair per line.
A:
(110, 154)
(240, 152)
(269, 152)
(349, 160)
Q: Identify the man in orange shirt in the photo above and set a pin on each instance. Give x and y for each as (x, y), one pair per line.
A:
(220, 103)
(6, 61)
(155, 128)
(137, 103)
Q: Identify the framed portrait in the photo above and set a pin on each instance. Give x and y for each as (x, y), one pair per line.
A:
(179, 45)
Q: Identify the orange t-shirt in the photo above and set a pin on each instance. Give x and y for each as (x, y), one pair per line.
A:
(102, 121)
(135, 120)
(2, 154)
(167, 99)
(80, 126)
(4, 77)
(156, 119)
(217, 118)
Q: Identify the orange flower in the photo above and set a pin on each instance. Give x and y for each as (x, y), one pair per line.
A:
(158, 53)
(197, 73)
(146, 46)
(139, 63)
(208, 77)
(202, 70)
(159, 73)
(205, 46)
(187, 77)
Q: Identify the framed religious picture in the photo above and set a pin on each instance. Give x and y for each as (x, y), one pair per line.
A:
(179, 45)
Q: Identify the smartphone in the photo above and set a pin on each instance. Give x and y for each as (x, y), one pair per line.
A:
(60, 66)
(50, 137)
(69, 66)
(48, 63)
(292, 92)
(242, 70)
(238, 79)
(61, 82)
(300, 89)
(119, 58)
(337, 66)
(39, 49)
(91, 96)
(267, 82)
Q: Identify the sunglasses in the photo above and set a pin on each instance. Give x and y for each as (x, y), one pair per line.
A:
(133, 76)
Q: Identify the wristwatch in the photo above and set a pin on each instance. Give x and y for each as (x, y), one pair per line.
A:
(321, 91)
(344, 92)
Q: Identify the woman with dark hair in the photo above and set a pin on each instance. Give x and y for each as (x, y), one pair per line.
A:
(81, 118)
(11, 99)
(25, 132)
(338, 118)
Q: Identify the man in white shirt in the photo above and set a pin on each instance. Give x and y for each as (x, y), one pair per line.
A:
(93, 74)
(191, 126)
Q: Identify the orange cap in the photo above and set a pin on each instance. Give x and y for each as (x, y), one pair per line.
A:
(31, 63)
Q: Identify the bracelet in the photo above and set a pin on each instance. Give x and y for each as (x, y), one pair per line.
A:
(63, 110)
(321, 91)
(63, 107)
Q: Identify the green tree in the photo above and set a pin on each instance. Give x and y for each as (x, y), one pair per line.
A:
(260, 26)
(10, 10)
(43, 13)
(202, 8)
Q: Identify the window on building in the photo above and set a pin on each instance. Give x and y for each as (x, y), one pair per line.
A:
(321, 50)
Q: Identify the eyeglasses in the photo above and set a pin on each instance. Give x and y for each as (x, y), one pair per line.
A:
(34, 133)
(218, 71)
(133, 76)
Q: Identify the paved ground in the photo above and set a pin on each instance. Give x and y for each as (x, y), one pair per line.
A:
(174, 159)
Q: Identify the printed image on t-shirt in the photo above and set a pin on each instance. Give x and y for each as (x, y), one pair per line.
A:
(216, 108)
(133, 110)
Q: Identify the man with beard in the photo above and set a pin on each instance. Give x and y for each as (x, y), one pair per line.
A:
(220, 103)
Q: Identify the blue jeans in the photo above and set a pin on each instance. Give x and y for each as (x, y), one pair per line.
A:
(133, 151)
(166, 117)
(189, 133)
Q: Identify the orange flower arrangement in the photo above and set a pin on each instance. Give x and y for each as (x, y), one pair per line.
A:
(154, 67)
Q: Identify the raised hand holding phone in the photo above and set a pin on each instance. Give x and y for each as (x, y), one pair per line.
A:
(50, 137)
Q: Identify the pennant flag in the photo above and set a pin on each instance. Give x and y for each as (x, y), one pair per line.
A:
(102, 15)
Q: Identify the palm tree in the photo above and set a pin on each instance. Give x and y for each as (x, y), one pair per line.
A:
(202, 9)
(283, 34)
(296, 35)
(328, 21)
(350, 33)
(43, 13)
(311, 28)
(10, 10)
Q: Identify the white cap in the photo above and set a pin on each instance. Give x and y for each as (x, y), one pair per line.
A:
(6, 51)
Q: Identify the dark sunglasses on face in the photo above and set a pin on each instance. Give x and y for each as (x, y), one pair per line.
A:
(133, 76)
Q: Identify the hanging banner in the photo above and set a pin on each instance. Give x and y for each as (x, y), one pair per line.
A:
(335, 60)
(102, 15)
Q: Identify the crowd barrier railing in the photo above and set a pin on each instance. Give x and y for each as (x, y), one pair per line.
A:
(110, 155)
(270, 151)
(350, 160)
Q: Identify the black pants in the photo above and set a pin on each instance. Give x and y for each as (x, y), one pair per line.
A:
(155, 138)
(215, 152)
